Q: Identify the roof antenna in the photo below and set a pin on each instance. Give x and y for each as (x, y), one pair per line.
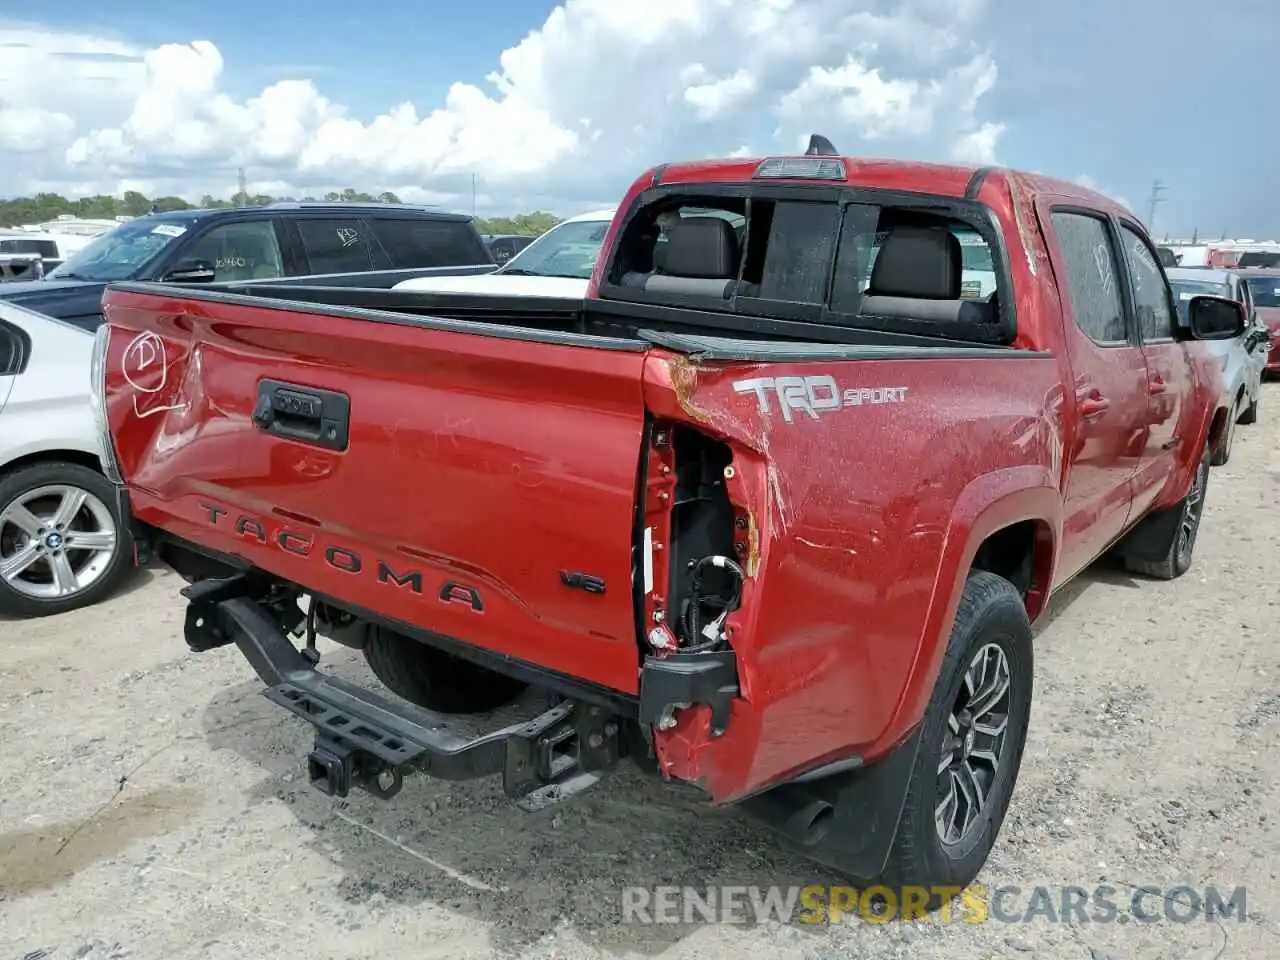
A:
(820, 146)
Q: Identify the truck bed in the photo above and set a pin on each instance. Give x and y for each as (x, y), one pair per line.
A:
(527, 316)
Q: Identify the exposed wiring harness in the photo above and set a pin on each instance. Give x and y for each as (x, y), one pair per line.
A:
(700, 639)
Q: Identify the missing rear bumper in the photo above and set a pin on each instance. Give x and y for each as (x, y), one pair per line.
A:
(683, 680)
(369, 741)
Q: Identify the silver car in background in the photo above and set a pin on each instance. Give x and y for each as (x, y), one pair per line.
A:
(1243, 359)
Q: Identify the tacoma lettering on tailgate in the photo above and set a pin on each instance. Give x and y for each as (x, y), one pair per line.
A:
(339, 558)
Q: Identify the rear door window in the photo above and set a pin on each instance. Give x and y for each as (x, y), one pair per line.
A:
(337, 245)
(421, 242)
(1151, 296)
(1092, 277)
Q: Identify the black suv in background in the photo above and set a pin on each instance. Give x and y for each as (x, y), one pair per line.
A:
(367, 245)
(504, 246)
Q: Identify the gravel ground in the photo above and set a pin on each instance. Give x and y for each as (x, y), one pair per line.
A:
(153, 805)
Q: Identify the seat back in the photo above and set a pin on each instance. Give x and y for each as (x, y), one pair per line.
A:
(700, 258)
(917, 275)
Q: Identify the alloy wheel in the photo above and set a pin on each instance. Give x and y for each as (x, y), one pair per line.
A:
(56, 541)
(1191, 511)
(973, 744)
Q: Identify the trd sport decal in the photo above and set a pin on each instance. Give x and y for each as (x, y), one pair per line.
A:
(814, 395)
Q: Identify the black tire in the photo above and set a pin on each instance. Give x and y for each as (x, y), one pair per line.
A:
(114, 570)
(1179, 544)
(991, 614)
(1222, 452)
(1250, 414)
(434, 679)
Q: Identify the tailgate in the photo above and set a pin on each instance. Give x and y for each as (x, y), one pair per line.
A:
(482, 487)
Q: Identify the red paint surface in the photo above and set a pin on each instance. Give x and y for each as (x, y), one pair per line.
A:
(503, 462)
(1271, 317)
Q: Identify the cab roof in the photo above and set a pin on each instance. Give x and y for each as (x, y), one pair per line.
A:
(910, 176)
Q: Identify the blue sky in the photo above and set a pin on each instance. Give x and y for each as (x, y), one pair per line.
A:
(1119, 93)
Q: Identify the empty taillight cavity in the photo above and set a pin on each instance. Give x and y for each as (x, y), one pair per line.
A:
(696, 543)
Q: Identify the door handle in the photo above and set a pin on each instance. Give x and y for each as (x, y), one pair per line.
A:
(1092, 404)
(1156, 385)
(321, 418)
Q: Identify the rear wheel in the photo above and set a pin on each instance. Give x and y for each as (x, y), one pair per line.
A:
(434, 679)
(971, 743)
(62, 544)
(1177, 545)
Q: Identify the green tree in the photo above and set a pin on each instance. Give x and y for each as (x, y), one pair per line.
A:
(49, 206)
(524, 224)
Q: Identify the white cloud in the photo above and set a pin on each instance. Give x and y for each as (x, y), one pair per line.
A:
(1089, 183)
(578, 108)
(978, 146)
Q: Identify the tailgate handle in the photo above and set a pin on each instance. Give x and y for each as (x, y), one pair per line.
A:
(321, 418)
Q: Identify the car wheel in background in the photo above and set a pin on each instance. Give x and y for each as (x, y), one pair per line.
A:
(1222, 453)
(1172, 532)
(63, 545)
(1250, 414)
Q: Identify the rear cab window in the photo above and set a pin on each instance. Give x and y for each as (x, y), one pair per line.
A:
(849, 258)
(47, 249)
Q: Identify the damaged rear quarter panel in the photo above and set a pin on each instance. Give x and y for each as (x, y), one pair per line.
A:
(862, 513)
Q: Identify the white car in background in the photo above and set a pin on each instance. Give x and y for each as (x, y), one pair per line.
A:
(63, 542)
(1243, 359)
(557, 264)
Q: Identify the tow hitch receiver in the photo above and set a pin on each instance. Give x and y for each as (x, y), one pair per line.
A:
(368, 741)
(335, 767)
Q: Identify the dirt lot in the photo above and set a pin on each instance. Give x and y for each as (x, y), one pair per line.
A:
(153, 805)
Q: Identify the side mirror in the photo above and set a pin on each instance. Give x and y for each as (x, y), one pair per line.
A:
(191, 271)
(1215, 318)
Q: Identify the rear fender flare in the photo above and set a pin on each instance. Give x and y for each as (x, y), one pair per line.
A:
(987, 505)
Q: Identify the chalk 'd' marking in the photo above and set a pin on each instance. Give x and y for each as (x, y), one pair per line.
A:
(146, 369)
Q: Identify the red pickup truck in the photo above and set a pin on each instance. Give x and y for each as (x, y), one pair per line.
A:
(770, 512)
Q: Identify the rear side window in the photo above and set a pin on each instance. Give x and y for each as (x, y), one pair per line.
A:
(502, 250)
(419, 242)
(336, 245)
(1092, 279)
(1265, 291)
(47, 249)
(1150, 290)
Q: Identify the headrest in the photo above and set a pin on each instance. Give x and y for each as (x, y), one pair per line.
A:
(923, 262)
(704, 247)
